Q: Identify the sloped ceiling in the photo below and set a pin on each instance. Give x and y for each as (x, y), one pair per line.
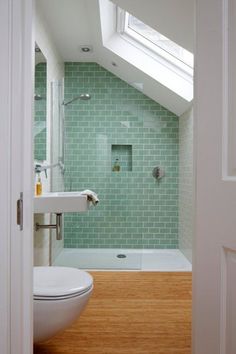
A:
(73, 23)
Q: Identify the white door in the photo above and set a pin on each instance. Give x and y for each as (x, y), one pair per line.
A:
(214, 268)
(15, 176)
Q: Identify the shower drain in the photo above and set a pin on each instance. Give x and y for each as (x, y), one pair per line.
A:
(121, 256)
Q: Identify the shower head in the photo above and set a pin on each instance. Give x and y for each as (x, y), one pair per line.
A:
(38, 97)
(83, 96)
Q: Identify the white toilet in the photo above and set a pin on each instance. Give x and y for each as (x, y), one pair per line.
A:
(60, 295)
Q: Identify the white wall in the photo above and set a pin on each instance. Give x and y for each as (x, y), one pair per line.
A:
(55, 71)
(186, 183)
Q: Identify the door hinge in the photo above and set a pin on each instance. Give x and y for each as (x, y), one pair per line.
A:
(19, 213)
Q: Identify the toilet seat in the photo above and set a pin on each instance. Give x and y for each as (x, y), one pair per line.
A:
(59, 283)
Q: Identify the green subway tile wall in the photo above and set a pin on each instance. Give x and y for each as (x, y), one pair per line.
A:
(135, 210)
(40, 112)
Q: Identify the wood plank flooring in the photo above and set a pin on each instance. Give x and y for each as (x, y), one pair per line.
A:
(131, 313)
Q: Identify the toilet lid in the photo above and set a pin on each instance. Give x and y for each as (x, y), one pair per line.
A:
(60, 281)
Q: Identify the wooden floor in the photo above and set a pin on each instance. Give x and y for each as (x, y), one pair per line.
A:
(131, 313)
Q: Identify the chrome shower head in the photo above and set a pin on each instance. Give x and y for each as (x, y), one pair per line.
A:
(38, 97)
(83, 96)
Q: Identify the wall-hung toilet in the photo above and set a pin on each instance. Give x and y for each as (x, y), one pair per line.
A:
(60, 295)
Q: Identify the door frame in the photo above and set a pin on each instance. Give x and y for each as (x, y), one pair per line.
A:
(16, 246)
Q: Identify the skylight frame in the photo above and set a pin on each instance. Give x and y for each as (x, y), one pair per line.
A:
(149, 47)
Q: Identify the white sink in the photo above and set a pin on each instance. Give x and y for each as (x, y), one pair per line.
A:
(61, 202)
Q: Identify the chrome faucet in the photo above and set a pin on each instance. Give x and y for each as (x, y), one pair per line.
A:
(40, 168)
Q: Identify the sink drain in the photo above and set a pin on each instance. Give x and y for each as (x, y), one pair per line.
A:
(121, 256)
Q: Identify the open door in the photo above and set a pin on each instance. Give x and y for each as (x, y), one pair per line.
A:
(214, 269)
(16, 239)
(214, 292)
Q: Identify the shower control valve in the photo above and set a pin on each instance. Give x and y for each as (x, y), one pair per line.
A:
(158, 173)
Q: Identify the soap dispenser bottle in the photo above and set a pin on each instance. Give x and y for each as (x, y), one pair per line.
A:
(116, 167)
(38, 186)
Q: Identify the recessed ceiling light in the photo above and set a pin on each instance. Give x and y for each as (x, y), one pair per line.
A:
(86, 48)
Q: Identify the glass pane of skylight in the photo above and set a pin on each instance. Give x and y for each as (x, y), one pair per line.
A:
(159, 40)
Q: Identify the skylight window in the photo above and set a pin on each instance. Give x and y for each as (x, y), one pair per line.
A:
(159, 40)
(154, 42)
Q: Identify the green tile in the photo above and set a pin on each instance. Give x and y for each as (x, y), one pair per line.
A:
(40, 111)
(135, 211)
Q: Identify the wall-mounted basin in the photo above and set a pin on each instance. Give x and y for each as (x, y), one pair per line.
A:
(61, 202)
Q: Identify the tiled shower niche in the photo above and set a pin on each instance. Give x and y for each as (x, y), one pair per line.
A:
(121, 155)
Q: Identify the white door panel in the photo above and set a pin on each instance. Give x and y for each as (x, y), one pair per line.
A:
(16, 170)
(229, 89)
(214, 289)
(228, 303)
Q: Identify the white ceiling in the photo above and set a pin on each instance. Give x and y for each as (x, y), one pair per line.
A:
(70, 25)
(73, 23)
